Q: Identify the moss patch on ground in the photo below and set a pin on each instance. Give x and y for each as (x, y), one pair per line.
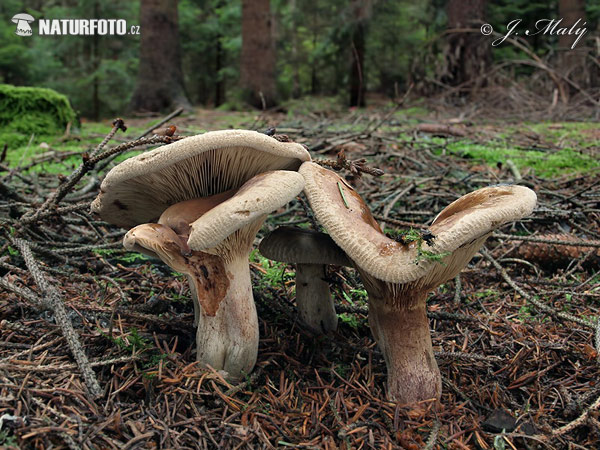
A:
(548, 164)
(27, 111)
(546, 149)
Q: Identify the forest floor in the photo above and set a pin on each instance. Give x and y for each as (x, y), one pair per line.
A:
(516, 336)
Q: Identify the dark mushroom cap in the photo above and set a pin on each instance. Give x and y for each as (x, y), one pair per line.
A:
(295, 245)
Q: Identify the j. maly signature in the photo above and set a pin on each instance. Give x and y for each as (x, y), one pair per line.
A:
(545, 26)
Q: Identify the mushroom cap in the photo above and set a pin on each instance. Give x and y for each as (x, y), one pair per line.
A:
(299, 246)
(157, 241)
(140, 188)
(464, 224)
(22, 16)
(257, 197)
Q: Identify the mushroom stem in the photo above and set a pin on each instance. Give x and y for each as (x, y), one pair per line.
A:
(194, 290)
(403, 336)
(315, 305)
(227, 338)
(224, 311)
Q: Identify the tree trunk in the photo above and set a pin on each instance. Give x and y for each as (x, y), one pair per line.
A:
(362, 11)
(357, 74)
(219, 83)
(95, 67)
(160, 78)
(258, 54)
(468, 55)
(571, 61)
(296, 91)
(314, 79)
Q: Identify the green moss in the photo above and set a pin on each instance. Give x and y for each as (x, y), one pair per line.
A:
(22, 150)
(543, 163)
(410, 116)
(568, 134)
(314, 105)
(577, 150)
(27, 111)
(31, 110)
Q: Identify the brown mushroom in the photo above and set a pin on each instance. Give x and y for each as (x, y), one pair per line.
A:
(311, 251)
(243, 175)
(399, 275)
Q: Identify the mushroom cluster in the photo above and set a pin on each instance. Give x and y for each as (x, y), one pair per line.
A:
(197, 205)
(398, 275)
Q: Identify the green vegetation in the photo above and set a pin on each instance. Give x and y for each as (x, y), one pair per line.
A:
(7, 440)
(275, 272)
(564, 148)
(134, 257)
(34, 110)
(356, 297)
(106, 251)
(423, 255)
(544, 163)
(26, 112)
(411, 235)
(132, 343)
(405, 236)
(350, 319)
(360, 295)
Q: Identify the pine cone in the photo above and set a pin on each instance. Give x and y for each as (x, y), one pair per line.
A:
(555, 254)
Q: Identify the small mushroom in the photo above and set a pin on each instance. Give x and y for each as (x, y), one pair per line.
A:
(230, 180)
(311, 251)
(204, 271)
(23, 20)
(398, 276)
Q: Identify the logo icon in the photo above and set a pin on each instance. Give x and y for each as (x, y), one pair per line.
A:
(23, 20)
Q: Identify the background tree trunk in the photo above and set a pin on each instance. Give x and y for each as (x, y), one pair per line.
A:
(357, 73)
(159, 83)
(571, 62)
(361, 13)
(468, 55)
(95, 57)
(219, 83)
(258, 54)
(296, 90)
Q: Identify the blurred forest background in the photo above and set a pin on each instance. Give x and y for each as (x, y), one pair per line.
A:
(234, 53)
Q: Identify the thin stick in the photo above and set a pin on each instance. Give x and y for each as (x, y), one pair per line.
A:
(433, 435)
(581, 243)
(166, 119)
(87, 165)
(24, 292)
(111, 154)
(65, 187)
(118, 124)
(539, 305)
(514, 170)
(63, 367)
(577, 422)
(457, 288)
(342, 194)
(54, 300)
